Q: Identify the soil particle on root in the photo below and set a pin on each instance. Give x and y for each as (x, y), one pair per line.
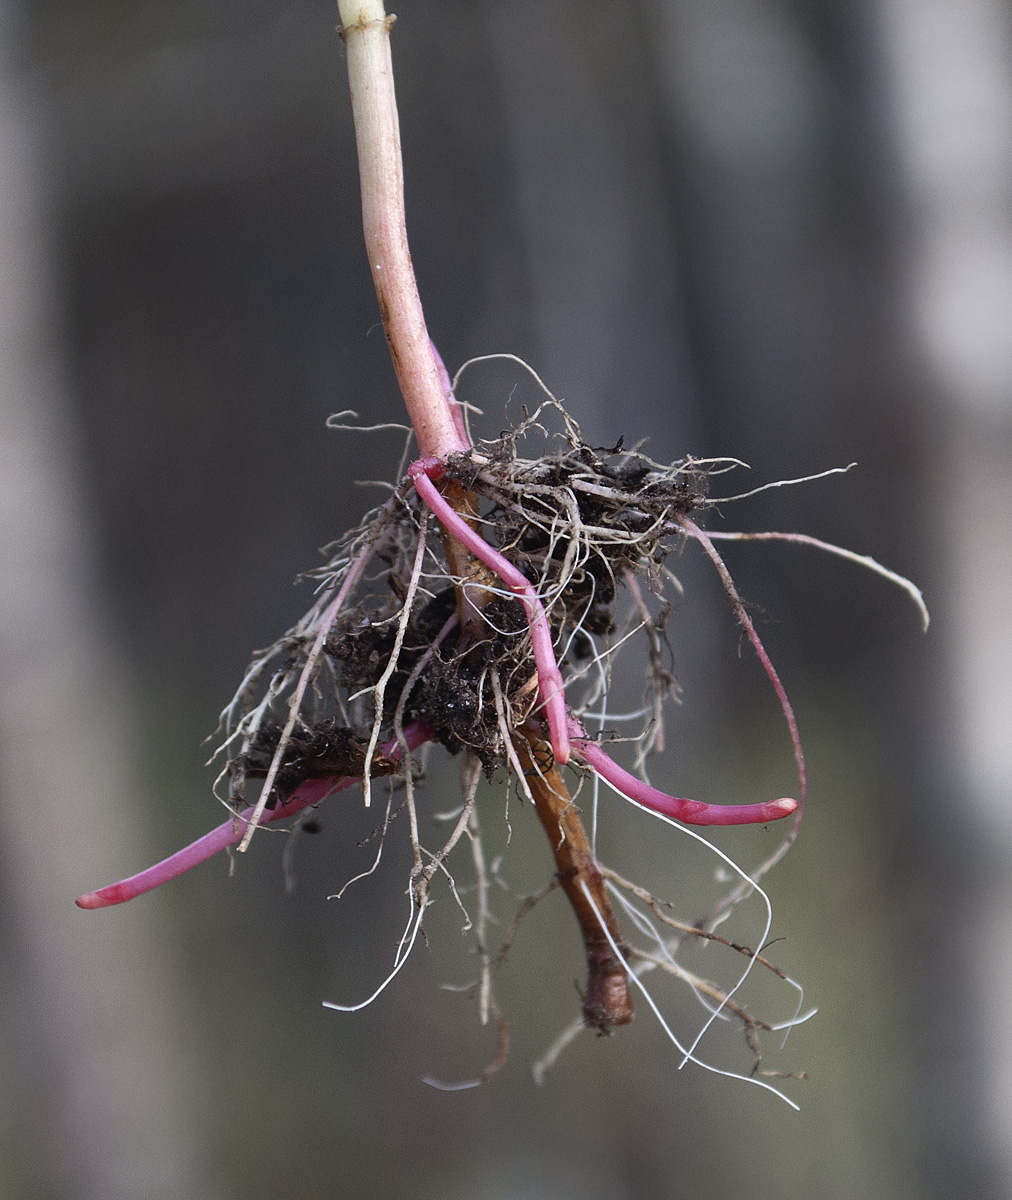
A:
(574, 521)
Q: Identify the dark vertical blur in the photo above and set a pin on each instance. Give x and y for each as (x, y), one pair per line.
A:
(731, 226)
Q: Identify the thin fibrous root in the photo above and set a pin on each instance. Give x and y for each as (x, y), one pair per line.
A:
(862, 560)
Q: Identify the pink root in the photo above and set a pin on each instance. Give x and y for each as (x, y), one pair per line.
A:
(691, 812)
(550, 684)
(310, 792)
(753, 636)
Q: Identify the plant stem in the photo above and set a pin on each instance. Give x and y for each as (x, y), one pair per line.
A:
(366, 33)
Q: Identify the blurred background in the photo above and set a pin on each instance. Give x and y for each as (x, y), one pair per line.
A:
(774, 229)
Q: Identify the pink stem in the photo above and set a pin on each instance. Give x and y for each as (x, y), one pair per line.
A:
(691, 812)
(366, 34)
(309, 792)
(550, 684)
(456, 409)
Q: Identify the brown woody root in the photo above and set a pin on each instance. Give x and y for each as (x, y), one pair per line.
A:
(606, 1002)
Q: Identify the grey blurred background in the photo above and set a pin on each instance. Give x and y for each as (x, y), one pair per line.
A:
(773, 229)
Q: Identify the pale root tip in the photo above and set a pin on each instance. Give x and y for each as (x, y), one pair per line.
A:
(91, 900)
(786, 805)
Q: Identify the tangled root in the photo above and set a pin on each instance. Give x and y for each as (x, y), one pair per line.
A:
(580, 523)
(403, 635)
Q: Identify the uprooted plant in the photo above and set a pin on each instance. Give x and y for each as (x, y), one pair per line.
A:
(492, 631)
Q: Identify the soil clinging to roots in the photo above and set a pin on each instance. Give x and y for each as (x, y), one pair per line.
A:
(579, 522)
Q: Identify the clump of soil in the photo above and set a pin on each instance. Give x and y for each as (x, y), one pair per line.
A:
(579, 522)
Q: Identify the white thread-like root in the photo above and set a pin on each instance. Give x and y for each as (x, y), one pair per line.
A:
(404, 949)
(689, 1054)
(329, 616)
(779, 483)
(862, 560)
(750, 884)
(379, 852)
(379, 691)
(334, 422)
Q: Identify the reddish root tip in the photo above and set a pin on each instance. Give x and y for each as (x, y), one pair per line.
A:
(309, 792)
(691, 812)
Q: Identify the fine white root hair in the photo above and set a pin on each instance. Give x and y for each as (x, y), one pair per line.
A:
(295, 705)
(334, 421)
(384, 679)
(404, 948)
(688, 1053)
(862, 560)
(750, 884)
(779, 483)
